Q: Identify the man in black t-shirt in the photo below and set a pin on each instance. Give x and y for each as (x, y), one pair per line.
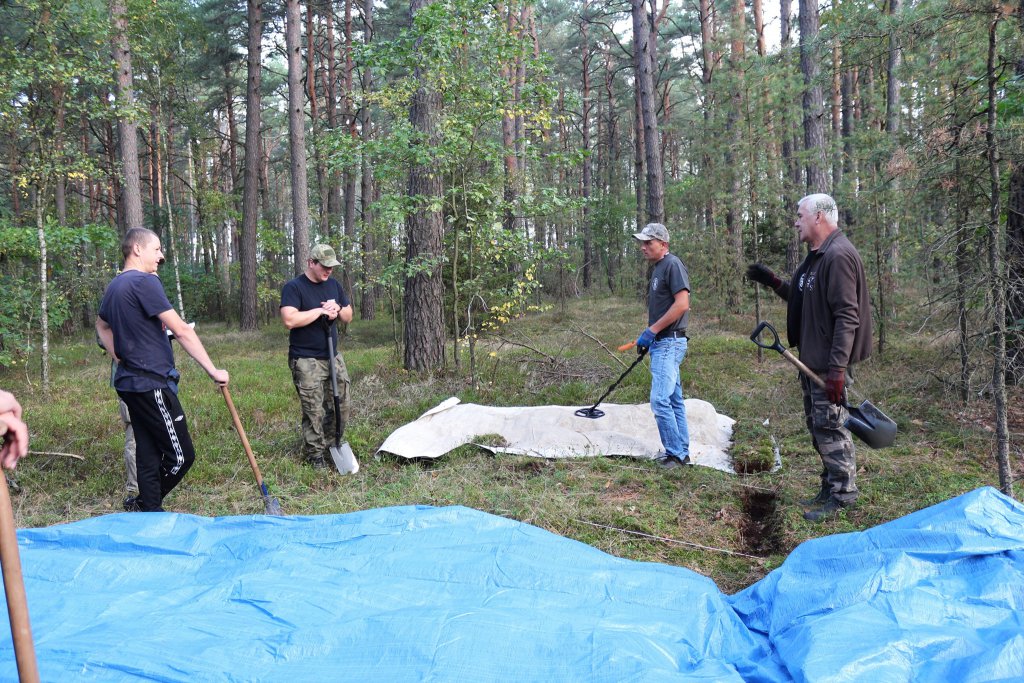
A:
(668, 310)
(308, 304)
(132, 325)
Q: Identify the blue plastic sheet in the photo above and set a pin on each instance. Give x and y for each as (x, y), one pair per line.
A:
(453, 594)
(937, 595)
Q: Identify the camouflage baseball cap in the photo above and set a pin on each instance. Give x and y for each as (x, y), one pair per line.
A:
(652, 231)
(324, 255)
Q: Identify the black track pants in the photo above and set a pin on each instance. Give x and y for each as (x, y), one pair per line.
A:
(164, 451)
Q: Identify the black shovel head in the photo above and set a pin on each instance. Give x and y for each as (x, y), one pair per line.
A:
(871, 425)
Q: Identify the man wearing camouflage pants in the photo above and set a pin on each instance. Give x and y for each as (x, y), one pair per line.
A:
(829, 318)
(308, 303)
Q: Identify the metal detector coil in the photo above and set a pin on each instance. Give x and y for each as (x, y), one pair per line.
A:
(592, 412)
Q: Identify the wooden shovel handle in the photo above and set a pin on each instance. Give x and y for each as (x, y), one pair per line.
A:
(241, 433)
(803, 368)
(14, 588)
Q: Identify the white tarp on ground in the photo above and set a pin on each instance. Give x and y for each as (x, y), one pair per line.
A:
(557, 432)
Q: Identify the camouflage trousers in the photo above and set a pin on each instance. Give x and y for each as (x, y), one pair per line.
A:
(832, 440)
(312, 377)
(131, 485)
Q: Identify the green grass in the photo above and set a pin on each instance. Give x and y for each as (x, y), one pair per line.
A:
(559, 358)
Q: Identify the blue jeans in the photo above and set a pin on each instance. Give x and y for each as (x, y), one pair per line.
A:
(667, 395)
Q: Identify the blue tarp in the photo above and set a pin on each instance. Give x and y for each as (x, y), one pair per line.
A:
(453, 594)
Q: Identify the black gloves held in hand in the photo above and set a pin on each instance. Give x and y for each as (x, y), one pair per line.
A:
(763, 275)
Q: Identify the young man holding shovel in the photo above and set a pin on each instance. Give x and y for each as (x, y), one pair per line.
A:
(132, 325)
(668, 308)
(309, 303)
(828, 317)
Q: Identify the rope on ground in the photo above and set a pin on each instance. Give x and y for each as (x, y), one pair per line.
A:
(666, 539)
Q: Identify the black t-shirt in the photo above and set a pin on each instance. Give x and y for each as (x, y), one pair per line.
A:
(131, 306)
(305, 295)
(668, 279)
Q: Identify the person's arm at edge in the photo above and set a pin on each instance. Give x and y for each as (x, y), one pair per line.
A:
(106, 335)
(190, 341)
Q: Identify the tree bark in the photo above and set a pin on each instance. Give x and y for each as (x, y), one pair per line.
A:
(297, 136)
(130, 209)
(588, 230)
(423, 300)
(249, 314)
(733, 220)
(1015, 249)
(348, 176)
(813, 99)
(997, 277)
(368, 302)
(643, 56)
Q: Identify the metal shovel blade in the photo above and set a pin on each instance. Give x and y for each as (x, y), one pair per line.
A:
(871, 425)
(344, 459)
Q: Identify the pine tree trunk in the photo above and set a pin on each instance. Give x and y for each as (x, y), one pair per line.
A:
(813, 102)
(130, 208)
(643, 57)
(297, 137)
(249, 314)
(423, 300)
(1015, 249)
(349, 177)
(368, 302)
(997, 277)
(588, 230)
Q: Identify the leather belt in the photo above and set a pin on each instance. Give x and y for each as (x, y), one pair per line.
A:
(671, 334)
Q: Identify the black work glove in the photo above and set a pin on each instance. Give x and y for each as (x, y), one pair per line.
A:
(834, 385)
(762, 274)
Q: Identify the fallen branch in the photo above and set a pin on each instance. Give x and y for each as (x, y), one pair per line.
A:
(506, 340)
(65, 455)
(600, 343)
(668, 540)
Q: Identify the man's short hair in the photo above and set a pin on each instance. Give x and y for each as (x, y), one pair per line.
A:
(823, 203)
(140, 236)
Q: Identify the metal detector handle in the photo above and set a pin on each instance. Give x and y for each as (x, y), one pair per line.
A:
(627, 347)
(776, 345)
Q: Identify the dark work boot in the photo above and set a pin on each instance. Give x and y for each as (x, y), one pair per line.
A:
(823, 495)
(830, 509)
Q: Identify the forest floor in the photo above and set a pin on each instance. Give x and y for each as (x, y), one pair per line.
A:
(731, 528)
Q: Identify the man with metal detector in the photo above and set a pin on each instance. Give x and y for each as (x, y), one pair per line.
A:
(307, 302)
(668, 309)
(828, 316)
(134, 318)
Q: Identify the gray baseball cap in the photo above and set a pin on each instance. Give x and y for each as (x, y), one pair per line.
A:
(652, 231)
(324, 255)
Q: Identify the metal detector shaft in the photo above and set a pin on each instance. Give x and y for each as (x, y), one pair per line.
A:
(639, 358)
